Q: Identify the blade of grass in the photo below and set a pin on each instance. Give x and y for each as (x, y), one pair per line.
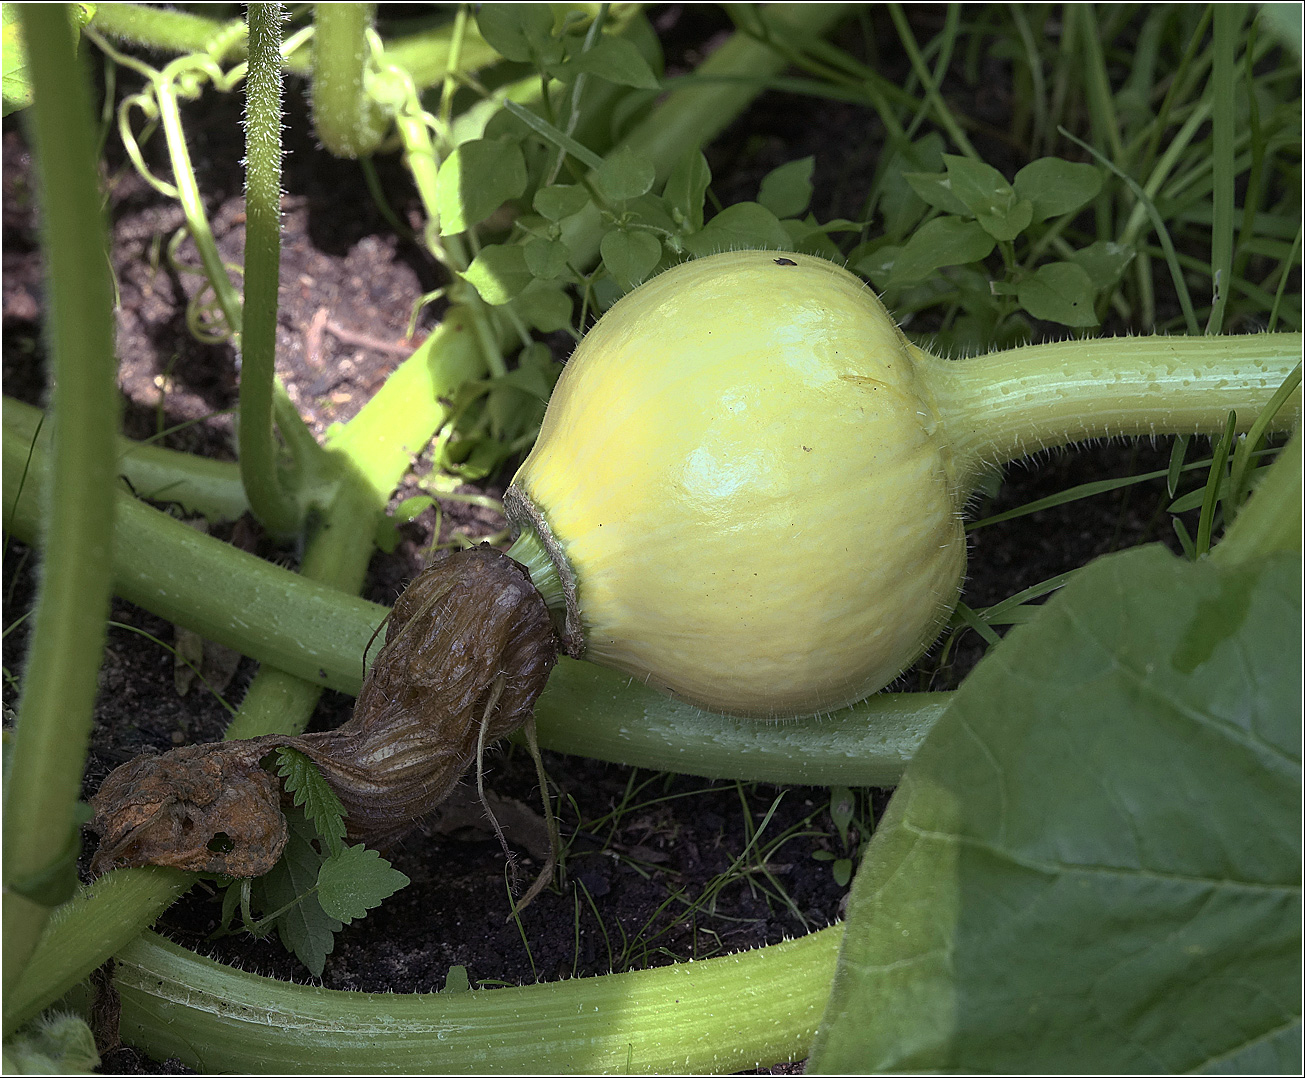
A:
(1228, 19)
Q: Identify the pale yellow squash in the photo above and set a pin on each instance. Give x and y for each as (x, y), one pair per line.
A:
(743, 479)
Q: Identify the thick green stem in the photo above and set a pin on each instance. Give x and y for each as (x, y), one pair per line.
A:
(276, 507)
(319, 633)
(83, 933)
(373, 451)
(198, 484)
(346, 119)
(59, 683)
(999, 407)
(173, 31)
(741, 1011)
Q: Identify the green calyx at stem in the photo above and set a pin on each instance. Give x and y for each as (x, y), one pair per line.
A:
(529, 551)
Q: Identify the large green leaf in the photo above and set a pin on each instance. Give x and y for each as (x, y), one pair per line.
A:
(1093, 863)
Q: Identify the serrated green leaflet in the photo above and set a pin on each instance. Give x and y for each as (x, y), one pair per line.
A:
(356, 880)
(304, 927)
(1093, 863)
(311, 791)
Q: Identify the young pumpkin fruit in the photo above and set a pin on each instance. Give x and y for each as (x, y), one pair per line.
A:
(746, 490)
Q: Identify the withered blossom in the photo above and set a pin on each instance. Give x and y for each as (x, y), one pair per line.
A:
(468, 649)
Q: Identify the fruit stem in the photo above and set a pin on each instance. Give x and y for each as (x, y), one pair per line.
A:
(1002, 406)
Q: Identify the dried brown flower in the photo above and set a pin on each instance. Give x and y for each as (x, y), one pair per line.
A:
(468, 648)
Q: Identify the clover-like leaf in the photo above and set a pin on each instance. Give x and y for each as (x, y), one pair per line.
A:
(613, 59)
(519, 31)
(626, 174)
(630, 256)
(545, 259)
(499, 272)
(475, 180)
(560, 201)
(544, 306)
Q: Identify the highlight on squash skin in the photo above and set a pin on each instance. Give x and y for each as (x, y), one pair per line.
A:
(751, 483)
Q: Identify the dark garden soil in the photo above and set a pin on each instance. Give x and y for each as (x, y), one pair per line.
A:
(645, 886)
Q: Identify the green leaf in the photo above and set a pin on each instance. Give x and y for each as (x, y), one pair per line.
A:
(545, 307)
(630, 256)
(475, 180)
(686, 188)
(313, 794)
(356, 880)
(613, 59)
(545, 259)
(456, 980)
(1059, 292)
(499, 272)
(1104, 263)
(1092, 865)
(977, 184)
(16, 86)
(988, 197)
(935, 188)
(899, 205)
(55, 1043)
(625, 174)
(944, 241)
(1057, 187)
(1006, 223)
(740, 227)
(842, 805)
(786, 191)
(306, 930)
(519, 31)
(560, 201)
